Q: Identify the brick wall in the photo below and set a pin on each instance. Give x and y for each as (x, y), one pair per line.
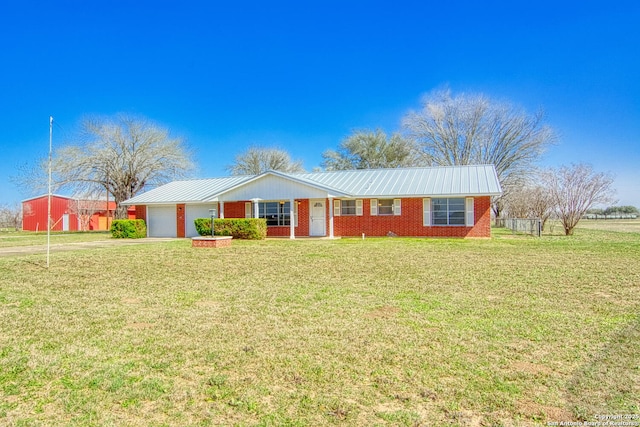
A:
(234, 209)
(180, 218)
(141, 212)
(409, 223)
(303, 218)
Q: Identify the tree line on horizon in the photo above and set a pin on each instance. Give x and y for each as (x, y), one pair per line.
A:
(122, 155)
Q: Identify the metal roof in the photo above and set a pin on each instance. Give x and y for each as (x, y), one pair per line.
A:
(399, 182)
(432, 181)
(195, 190)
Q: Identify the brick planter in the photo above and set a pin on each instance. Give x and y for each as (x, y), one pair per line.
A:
(211, 242)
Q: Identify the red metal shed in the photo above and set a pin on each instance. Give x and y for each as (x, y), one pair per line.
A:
(63, 216)
(69, 214)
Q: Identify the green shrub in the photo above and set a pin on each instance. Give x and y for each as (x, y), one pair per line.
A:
(128, 228)
(239, 228)
(203, 226)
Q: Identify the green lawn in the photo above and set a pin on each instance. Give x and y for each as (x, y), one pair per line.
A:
(511, 331)
(29, 238)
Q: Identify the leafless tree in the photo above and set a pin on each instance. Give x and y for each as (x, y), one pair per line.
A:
(372, 150)
(575, 189)
(86, 206)
(529, 201)
(122, 155)
(11, 216)
(256, 160)
(474, 129)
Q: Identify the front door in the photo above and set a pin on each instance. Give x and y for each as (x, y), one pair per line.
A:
(318, 218)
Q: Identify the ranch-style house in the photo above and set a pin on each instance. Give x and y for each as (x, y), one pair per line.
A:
(451, 201)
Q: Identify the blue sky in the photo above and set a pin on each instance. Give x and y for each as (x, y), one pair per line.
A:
(304, 75)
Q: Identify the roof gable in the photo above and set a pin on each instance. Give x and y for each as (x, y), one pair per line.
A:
(273, 185)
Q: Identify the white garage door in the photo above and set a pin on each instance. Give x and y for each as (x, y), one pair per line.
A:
(196, 211)
(161, 221)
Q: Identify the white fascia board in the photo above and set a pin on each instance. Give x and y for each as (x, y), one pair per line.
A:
(331, 192)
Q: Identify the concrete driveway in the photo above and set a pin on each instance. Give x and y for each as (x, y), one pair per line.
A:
(62, 247)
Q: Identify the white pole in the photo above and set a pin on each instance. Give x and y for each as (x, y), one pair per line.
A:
(49, 197)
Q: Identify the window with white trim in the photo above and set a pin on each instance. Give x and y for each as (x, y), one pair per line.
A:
(385, 206)
(448, 211)
(276, 213)
(347, 207)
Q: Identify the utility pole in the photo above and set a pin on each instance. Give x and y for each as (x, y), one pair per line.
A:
(49, 197)
(108, 227)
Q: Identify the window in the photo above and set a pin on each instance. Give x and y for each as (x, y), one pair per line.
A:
(448, 211)
(347, 207)
(276, 213)
(385, 206)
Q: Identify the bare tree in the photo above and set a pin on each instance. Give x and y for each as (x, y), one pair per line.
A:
(256, 160)
(11, 216)
(86, 206)
(574, 190)
(529, 201)
(121, 154)
(474, 129)
(32, 177)
(372, 150)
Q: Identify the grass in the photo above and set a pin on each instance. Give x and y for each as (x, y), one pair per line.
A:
(28, 238)
(620, 225)
(511, 331)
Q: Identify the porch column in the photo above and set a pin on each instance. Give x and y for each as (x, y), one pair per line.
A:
(292, 220)
(331, 217)
(256, 208)
(221, 209)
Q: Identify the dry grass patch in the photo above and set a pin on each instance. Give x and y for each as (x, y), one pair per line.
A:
(508, 331)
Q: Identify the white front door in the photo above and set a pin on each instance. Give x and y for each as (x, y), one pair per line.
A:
(318, 218)
(65, 222)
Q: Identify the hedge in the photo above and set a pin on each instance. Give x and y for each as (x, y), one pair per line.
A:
(239, 228)
(128, 228)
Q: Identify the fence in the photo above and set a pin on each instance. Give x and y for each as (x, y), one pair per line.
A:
(531, 226)
(610, 216)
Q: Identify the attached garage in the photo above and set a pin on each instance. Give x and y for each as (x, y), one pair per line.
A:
(161, 221)
(193, 212)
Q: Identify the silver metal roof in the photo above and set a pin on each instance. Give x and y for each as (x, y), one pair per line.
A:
(412, 182)
(195, 190)
(400, 182)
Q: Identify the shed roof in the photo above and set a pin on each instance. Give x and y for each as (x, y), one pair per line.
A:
(399, 182)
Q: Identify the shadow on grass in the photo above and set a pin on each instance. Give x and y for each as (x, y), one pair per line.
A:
(610, 383)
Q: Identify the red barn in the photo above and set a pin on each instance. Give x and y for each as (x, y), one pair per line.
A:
(68, 214)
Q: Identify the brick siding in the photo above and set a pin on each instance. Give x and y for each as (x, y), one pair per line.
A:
(141, 212)
(409, 223)
(180, 218)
